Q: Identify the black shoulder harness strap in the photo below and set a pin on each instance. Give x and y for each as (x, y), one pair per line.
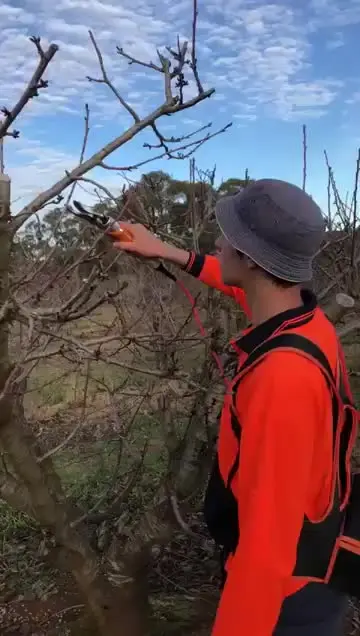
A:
(293, 342)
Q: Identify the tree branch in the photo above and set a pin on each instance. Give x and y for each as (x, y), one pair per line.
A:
(354, 211)
(98, 157)
(193, 52)
(193, 146)
(304, 157)
(36, 83)
(105, 80)
(134, 60)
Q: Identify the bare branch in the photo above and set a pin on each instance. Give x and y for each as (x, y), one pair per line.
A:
(105, 80)
(304, 157)
(193, 54)
(59, 198)
(66, 313)
(177, 514)
(133, 60)
(175, 140)
(354, 211)
(170, 106)
(98, 157)
(165, 64)
(106, 297)
(329, 217)
(76, 429)
(36, 83)
(83, 148)
(68, 266)
(340, 206)
(193, 146)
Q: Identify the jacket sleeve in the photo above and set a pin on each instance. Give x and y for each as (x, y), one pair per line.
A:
(279, 428)
(207, 270)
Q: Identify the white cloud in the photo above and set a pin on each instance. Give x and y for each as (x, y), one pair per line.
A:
(257, 54)
(335, 13)
(15, 15)
(268, 60)
(336, 42)
(246, 116)
(34, 167)
(305, 99)
(354, 98)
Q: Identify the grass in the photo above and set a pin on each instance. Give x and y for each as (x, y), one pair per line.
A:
(56, 386)
(89, 473)
(14, 523)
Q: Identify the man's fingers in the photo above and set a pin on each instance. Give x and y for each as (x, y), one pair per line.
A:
(126, 246)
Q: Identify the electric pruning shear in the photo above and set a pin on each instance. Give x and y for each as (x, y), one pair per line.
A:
(111, 228)
(103, 222)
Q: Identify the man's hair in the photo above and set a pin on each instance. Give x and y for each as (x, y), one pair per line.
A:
(280, 282)
(284, 284)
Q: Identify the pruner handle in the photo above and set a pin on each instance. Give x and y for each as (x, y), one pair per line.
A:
(121, 235)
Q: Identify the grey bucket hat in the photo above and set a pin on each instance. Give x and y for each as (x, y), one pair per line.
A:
(276, 224)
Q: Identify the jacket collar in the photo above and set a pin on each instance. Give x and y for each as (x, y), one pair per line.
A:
(289, 319)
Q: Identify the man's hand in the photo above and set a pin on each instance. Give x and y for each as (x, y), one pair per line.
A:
(148, 245)
(144, 243)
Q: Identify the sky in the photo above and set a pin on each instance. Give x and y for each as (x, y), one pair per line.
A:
(274, 66)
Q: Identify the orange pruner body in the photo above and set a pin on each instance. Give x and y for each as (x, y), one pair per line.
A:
(122, 235)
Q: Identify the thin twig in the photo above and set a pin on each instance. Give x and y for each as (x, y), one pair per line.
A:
(193, 146)
(51, 253)
(105, 80)
(304, 157)
(83, 148)
(134, 60)
(173, 140)
(340, 207)
(193, 53)
(70, 266)
(177, 514)
(354, 205)
(329, 219)
(76, 429)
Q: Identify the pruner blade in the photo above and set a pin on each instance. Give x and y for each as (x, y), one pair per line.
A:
(101, 221)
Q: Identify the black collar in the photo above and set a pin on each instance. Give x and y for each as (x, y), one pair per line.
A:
(286, 320)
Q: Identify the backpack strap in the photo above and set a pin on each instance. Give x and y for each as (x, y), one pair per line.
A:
(298, 344)
(294, 342)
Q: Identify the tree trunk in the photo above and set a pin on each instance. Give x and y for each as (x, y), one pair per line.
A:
(33, 486)
(115, 609)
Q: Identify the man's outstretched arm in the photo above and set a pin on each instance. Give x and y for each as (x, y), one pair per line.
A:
(205, 268)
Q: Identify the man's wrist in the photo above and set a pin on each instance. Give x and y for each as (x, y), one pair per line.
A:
(175, 255)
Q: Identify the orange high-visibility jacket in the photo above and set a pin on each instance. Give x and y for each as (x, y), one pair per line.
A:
(285, 465)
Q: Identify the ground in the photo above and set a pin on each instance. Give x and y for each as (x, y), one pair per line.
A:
(183, 592)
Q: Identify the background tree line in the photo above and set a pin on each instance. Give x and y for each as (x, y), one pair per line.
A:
(171, 207)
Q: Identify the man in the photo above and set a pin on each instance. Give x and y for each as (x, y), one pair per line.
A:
(258, 500)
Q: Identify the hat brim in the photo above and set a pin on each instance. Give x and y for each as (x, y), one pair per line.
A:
(268, 257)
